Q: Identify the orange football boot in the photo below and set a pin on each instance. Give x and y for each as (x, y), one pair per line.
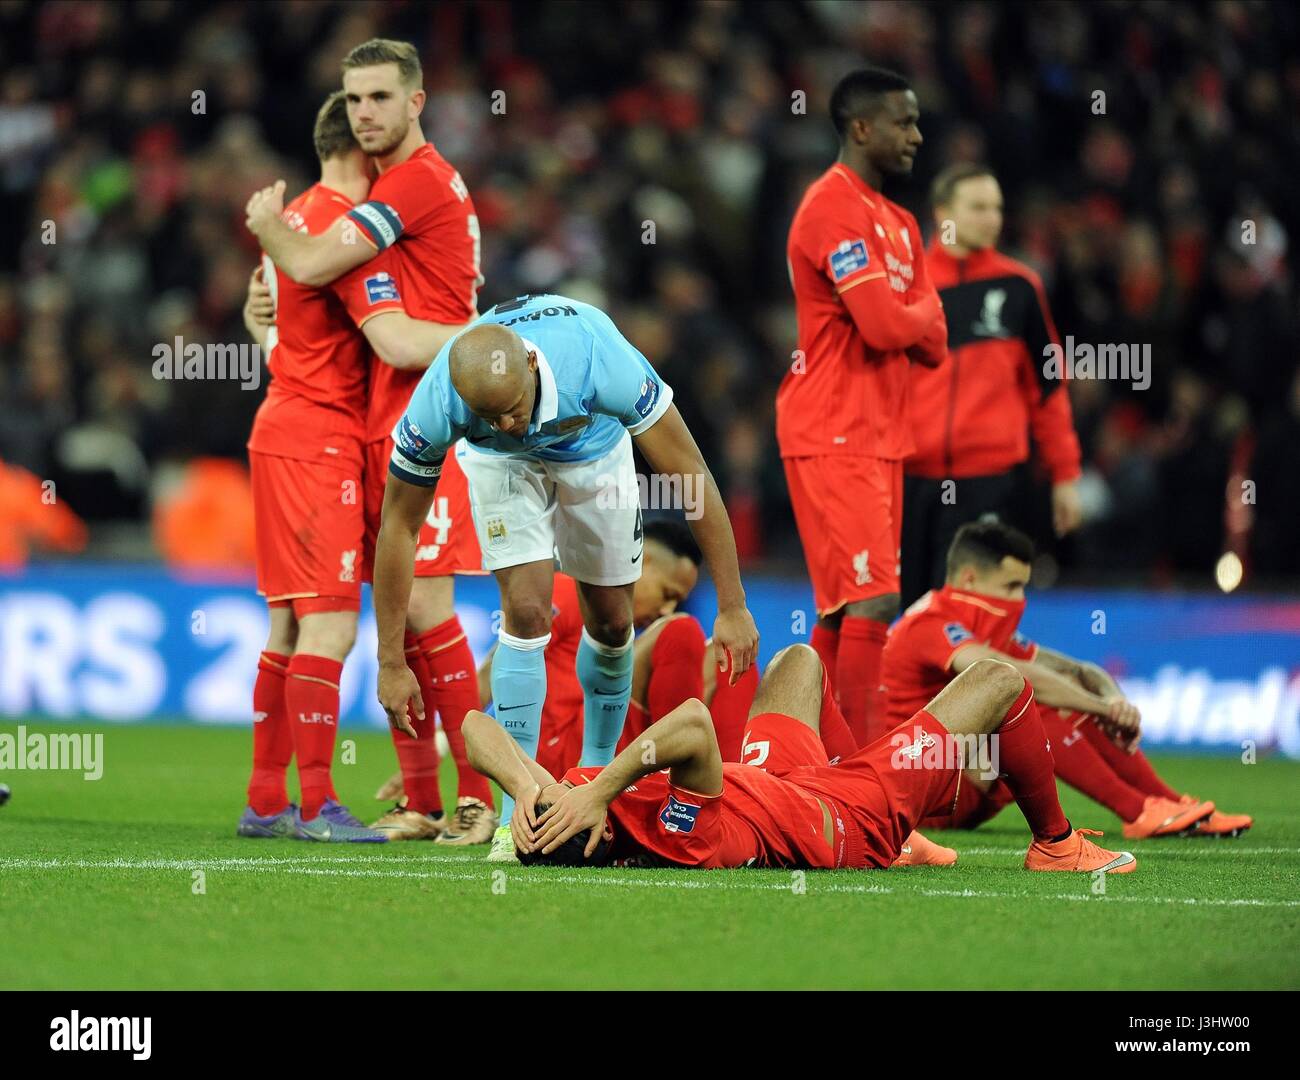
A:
(918, 851)
(1164, 817)
(1218, 824)
(1079, 854)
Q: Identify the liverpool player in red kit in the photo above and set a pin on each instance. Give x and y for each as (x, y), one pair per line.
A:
(671, 800)
(305, 454)
(866, 309)
(1092, 728)
(419, 210)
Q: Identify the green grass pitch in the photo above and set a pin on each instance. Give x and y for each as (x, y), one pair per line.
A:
(98, 890)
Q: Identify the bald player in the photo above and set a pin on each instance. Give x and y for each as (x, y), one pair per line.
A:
(547, 397)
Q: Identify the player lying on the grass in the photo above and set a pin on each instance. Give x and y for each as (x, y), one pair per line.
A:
(548, 423)
(672, 661)
(1093, 729)
(669, 799)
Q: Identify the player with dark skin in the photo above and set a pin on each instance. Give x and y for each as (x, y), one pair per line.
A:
(881, 140)
(497, 377)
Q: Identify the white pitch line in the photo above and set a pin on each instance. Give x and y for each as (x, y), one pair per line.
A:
(1222, 847)
(322, 868)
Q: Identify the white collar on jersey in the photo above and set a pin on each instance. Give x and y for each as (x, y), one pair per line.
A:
(549, 405)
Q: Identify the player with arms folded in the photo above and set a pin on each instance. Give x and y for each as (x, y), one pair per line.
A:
(548, 421)
(866, 309)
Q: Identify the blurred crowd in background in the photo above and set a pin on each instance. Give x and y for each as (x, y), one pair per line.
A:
(131, 135)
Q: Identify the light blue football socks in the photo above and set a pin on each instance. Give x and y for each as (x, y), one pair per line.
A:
(519, 691)
(605, 672)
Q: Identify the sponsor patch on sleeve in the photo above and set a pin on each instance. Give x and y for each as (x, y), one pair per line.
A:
(850, 257)
(677, 816)
(649, 395)
(956, 633)
(381, 287)
(408, 437)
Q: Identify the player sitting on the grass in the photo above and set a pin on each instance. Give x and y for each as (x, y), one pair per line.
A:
(1093, 729)
(669, 799)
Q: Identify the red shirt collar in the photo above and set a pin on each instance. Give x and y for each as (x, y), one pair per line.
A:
(859, 185)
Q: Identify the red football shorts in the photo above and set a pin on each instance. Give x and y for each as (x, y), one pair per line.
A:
(849, 512)
(971, 806)
(448, 543)
(777, 743)
(890, 786)
(309, 531)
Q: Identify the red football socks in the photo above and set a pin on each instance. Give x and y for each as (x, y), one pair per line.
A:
(825, 641)
(730, 710)
(454, 682)
(272, 737)
(1080, 765)
(418, 757)
(677, 667)
(1026, 762)
(1134, 769)
(857, 677)
(311, 699)
(835, 734)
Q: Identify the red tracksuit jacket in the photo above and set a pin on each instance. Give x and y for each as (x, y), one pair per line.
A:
(973, 414)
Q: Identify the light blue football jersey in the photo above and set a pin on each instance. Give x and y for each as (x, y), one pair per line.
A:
(593, 386)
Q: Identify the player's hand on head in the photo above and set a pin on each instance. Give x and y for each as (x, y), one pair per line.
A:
(736, 637)
(398, 690)
(260, 305)
(579, 809)
(524, 819)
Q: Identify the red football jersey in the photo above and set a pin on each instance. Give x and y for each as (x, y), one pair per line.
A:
(315, 407)
(840, 396)
(757, 820)
(917, 660)
(424, 204)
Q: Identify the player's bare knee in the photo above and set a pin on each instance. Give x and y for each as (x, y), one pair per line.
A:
(878, 608)
(528, 620)
(1000, 680)
(611, 629)
(797, 661)
(697, 716)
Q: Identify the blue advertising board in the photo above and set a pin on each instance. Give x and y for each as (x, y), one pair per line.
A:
(123, 644)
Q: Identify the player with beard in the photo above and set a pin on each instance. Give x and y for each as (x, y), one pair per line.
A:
(420, 209)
